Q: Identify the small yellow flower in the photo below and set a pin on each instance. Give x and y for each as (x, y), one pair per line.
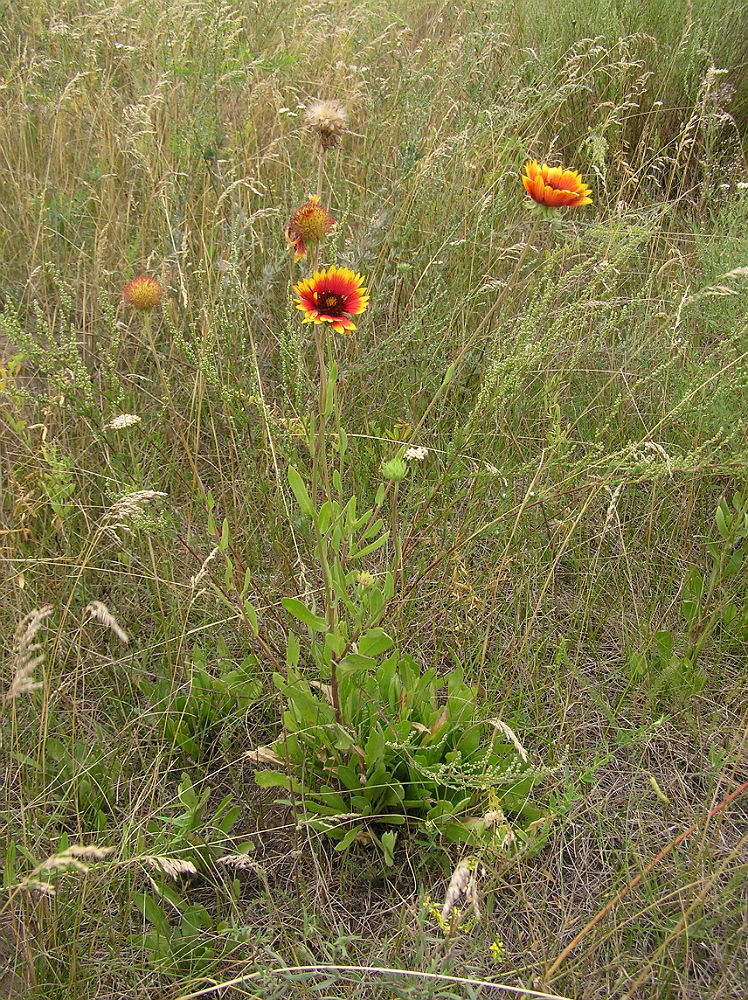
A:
(143, 292)
(497, 949)
(308, 224)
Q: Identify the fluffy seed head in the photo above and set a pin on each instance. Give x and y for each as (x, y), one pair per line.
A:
(328, 120)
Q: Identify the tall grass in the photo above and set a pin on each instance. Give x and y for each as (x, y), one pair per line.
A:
(588, 433)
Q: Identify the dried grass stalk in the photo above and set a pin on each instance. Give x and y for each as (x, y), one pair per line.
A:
(26, 653)
(173, 867)
(510, 735)
(99, 611)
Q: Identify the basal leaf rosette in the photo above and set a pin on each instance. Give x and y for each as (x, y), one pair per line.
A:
(410, 751)
(333, 295)
(555, 187)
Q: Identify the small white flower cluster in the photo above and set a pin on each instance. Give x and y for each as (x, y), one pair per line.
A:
(123, 420)
(415, 453)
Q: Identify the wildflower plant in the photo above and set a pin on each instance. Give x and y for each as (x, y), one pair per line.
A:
(372, 743)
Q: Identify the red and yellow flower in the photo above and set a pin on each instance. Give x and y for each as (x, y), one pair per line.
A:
(332, 295)
(554, 187)
(309, 224)
(143, 292)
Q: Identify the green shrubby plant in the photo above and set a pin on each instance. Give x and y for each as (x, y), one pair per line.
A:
(406, 748)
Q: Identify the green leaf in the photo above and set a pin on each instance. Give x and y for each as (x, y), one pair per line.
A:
(734, 562)
(251, 614)
(303, 614)
(374, 642)
(355, 662)
(346, 842)
(375, 746)
(376, 600)
(152, 912)
(310, 710)
(232, 815)
(387, 843)
(300, 492)
(272, 779)
(372, 547)
(349, 777)
(335, 642)
(372, 529)
(323, 518)
(293, 648)
(224, 543)
(724, 521)
(664, 642)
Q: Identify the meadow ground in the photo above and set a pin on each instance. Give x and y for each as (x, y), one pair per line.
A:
(183, 577)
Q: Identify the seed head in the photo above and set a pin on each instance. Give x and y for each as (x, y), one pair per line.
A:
(309, 224)
(143, 292)
(328, 120)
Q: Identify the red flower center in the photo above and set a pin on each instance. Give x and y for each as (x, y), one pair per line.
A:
(332, 303)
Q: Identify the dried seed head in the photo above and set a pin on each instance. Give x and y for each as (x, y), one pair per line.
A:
(27, 655)
(458, 884)
(173, 867)
(328, 120)
(131, 504)
(99, 611)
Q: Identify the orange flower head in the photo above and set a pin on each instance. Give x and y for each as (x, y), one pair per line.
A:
(143, 292)
(554, 186)
(332, 296)
(309, 224)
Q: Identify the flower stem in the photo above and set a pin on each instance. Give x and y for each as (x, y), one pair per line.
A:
(398, 561)
(320, 171)
(320, 471)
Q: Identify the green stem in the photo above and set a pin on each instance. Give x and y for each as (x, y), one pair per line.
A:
(320, 171)
(320, 470)
(398, 563)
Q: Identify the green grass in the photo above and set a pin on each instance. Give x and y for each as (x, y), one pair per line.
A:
(591, 427)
